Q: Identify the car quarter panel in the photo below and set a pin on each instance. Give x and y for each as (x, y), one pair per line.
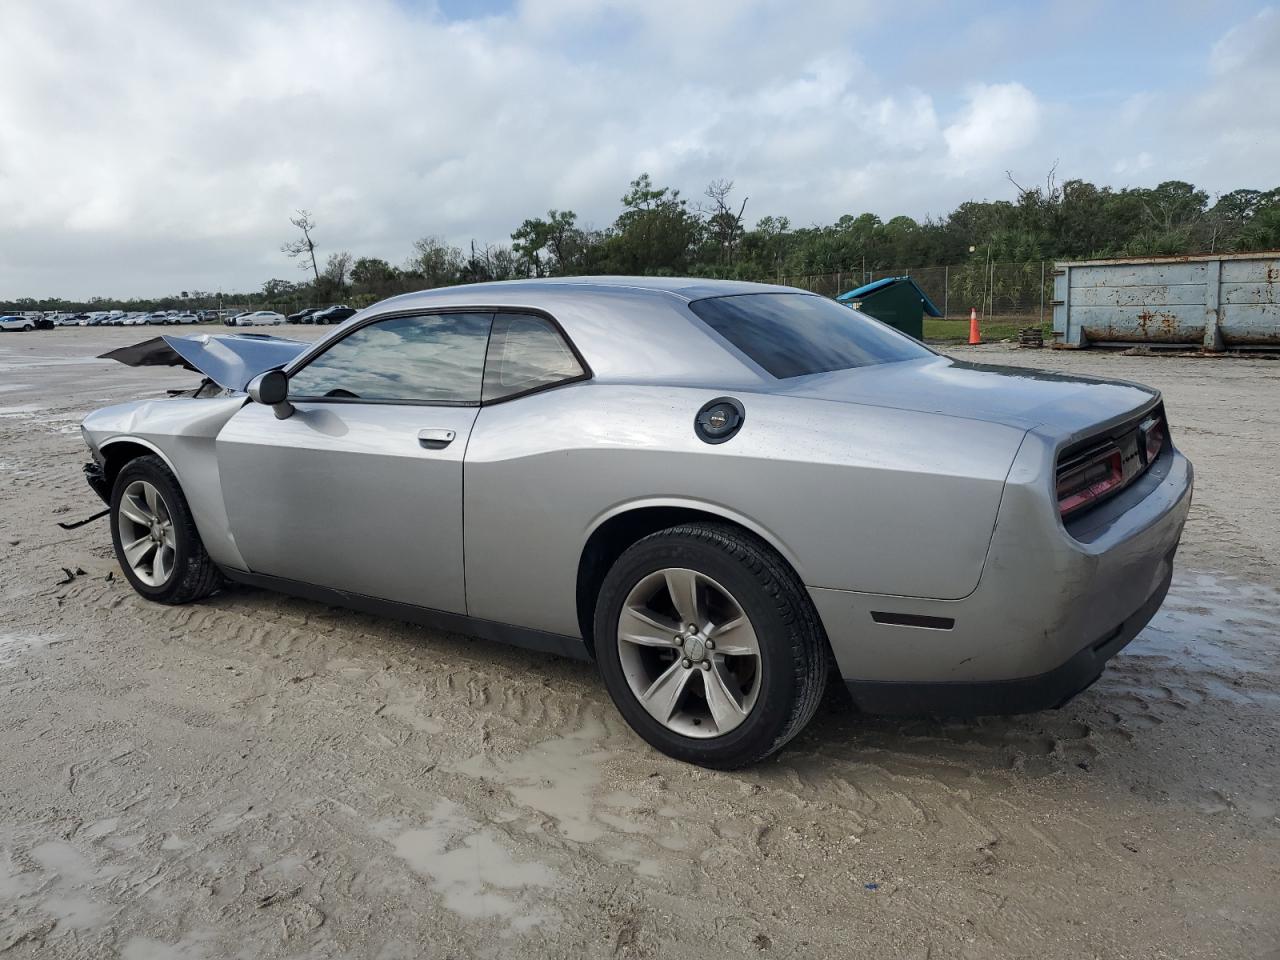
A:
(858, 498)
(1043, 596)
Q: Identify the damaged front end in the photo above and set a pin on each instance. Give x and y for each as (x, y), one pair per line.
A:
(228, 361)
(95, 475)
(183, 427)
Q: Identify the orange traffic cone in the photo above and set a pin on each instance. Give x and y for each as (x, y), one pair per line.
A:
(974, 335)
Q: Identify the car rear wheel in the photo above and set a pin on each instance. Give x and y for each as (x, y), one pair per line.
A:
(155, 536)
(709, 645)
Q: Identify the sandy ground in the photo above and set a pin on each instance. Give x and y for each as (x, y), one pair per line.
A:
(257, 776)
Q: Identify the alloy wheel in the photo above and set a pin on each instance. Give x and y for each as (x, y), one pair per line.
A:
(146, 533)
(689, 652)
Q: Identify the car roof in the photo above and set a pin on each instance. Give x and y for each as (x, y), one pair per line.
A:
(629, 329)
(682, 288)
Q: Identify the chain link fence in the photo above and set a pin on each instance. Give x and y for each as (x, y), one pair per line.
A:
(1011, 292)
(1005, 293)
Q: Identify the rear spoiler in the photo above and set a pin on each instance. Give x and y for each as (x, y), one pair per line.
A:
(230, 361)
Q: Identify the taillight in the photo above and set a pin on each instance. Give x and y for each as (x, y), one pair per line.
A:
(1089, 478)
(1153, 437)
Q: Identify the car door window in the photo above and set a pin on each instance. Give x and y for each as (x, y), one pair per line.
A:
(526, 353)
(433, 358)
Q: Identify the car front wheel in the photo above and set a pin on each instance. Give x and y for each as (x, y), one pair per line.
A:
(709, 645)
(155, 537)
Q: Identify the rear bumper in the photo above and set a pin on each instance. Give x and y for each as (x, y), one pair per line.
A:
(1050, 607)
(1046, 691)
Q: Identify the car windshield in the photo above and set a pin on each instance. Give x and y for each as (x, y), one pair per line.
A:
(794, 334)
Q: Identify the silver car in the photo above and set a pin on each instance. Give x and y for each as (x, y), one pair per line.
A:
(723, 493)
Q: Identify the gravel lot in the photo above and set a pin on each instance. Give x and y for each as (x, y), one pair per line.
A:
(258, 776)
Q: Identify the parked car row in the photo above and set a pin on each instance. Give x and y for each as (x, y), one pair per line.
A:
(119, 318)
(158, 318)
(10, 322)
(264, 318)
(334, 314)
(108, 318)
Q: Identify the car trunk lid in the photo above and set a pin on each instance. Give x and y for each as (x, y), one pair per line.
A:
(1065, 405)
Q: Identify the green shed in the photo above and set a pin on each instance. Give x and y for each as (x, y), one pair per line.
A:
(897, 301)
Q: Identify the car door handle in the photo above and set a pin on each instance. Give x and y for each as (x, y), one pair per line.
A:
(435, 439)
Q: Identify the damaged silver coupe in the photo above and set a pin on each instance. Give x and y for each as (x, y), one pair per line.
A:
(723, 493)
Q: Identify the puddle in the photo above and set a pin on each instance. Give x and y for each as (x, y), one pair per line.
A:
(558, 781)
(78, 913)
(632, 855)
(14, 883)
(472, 870)
(14, 645)
(55, 879)
(1215, 626)
(64, 860)
(557, 778)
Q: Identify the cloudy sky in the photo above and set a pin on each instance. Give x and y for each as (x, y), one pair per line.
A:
(149, 146)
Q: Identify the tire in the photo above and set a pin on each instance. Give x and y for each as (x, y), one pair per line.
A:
(186, 573)
(27, 328)
(773, 692)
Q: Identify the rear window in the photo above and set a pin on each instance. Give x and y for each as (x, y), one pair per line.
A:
(794, 334)
(526, 353)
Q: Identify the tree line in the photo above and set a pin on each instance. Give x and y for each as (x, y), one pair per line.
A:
(661, 232)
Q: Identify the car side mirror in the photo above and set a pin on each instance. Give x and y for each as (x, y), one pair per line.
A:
(272, 388)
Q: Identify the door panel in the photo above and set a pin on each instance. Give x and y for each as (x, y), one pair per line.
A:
(346, 495)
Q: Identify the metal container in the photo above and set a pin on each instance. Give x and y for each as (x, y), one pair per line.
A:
(1218, 302)
(897, 301)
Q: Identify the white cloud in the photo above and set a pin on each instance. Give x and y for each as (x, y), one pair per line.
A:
(999, 118)
(150, 147)
(1129, 166)
(1248, 45)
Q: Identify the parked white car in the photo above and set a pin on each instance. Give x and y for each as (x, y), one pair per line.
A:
(17, 323)
(260, 318)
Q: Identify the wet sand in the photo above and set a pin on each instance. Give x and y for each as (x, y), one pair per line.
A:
(269, 777)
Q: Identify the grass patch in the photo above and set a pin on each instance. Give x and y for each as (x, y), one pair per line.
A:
(951, 331)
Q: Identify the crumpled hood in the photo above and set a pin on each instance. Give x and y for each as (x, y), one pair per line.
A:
(230, 360)
(1013, 396)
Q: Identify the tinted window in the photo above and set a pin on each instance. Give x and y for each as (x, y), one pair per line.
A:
(437, 358)
(791, 334)
(526, 352)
